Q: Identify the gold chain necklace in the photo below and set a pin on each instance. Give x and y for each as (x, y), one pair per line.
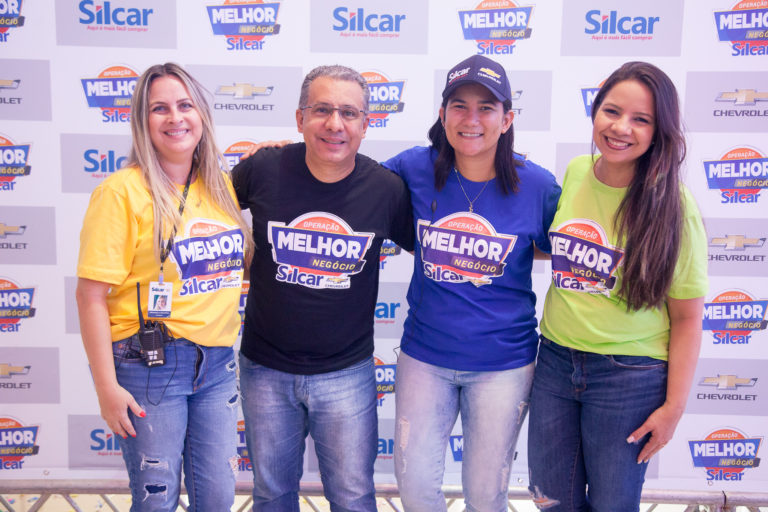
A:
(472, 202)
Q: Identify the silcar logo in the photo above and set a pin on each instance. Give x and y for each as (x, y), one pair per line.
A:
(244, 24)
(15, 305)
(588, 95)
(111, 92)
(243, 457)
(388, 249)
(105, 16)
(496, 25)
(10, 17)
(208, 257)
(16, 442)
(463, 247)
(745, 26)
(14, 162)
(457, 447)
(100, 163)
(385, 378)
(740, 175)
(385, 98)
(726, 453)
(615, 26)
(362, 23)
(732, 316)
(583, 260)
(317, 250)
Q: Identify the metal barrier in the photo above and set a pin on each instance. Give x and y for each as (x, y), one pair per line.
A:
(712, 501)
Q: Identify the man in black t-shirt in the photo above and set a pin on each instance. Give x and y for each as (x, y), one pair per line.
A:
(320, 214)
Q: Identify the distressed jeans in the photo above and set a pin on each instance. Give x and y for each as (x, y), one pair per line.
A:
(428, 400)
(583, 408)
(191, 405)
(337, 408)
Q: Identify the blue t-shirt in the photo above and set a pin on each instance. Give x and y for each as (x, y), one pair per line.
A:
(471, 303)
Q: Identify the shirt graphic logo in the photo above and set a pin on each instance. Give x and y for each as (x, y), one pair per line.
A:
(208, 257)
(463, 247)
(317, 250)
(582, 258)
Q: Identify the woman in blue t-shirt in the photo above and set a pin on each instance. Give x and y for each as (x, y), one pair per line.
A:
(470, 336)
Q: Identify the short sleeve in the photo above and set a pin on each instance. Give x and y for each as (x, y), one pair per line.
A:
(108, 238)
(402, 232)
(549, 208)
(241, 177)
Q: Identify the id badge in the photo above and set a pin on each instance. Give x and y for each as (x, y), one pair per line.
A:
(159, 303)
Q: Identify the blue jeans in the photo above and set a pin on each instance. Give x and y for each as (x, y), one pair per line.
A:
(583, 408)
(191, 405)
(428, 399)
(337, 408)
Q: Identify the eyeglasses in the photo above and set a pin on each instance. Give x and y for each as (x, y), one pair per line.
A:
(325, 110)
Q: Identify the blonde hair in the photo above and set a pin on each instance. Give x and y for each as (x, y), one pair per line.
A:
(207, 160)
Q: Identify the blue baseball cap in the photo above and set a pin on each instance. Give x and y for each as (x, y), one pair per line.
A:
(479, 69)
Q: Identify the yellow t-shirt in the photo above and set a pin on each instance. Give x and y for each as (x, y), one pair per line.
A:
(205, 264)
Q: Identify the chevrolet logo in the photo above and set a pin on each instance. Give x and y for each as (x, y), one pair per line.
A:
(5, 229)
(243, 90)
(727, 382)
(9, 84)
(8, 370)
(736, 242)
(743, 96)
(516, 95)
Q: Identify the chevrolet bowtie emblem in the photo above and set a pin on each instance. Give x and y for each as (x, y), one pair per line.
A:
(243, 90)
(736, 242)
(727, 382)
(9, 84)
(743, 96)
(7, 370)
(5, 230)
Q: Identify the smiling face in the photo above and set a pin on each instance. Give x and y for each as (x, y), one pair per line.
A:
(624, 126)
(175, 126)
(332, 142)
(474, 120)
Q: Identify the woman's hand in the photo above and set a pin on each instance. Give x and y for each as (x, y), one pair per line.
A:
(661, 424)
(114, 402)
(265, 144)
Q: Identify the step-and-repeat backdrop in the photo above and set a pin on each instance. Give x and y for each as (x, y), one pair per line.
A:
(67, 70)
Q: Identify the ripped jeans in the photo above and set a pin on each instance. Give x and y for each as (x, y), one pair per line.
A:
(428, 399)
(191, 405)
(583, 407)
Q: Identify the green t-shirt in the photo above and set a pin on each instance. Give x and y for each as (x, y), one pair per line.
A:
(582, 310)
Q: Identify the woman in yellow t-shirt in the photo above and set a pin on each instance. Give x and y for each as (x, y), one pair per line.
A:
(160, 269)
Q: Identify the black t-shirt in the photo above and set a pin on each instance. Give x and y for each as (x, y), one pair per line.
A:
(315, 271)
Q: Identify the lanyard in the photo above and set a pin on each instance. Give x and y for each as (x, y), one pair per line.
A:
(165, 251)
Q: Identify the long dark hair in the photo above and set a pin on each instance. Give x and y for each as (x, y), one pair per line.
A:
(650, 217)
(504, 161)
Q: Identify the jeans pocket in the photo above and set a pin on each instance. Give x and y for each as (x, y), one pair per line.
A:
(126, 351)
(636, 362)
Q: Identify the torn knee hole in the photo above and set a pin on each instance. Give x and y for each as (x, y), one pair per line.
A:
(405, 430)
(155, 488)
(153, 463)
(541, 500)
(233, 461)
(232, 402)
